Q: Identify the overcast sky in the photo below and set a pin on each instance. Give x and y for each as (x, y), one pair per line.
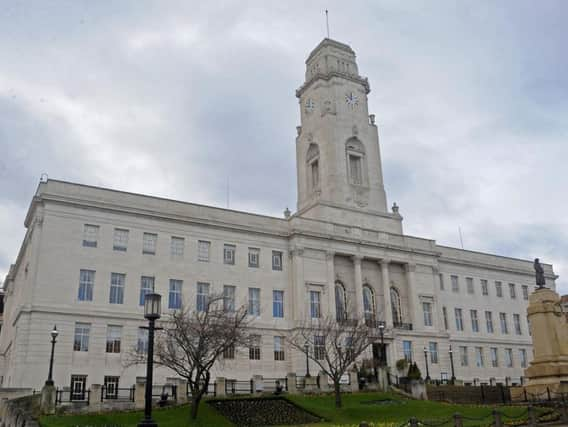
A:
(175, 99)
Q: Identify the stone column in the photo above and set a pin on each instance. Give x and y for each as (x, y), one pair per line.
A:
(354, 380)
(298, 285)
(384, 263)
(181, 390)
(139, 394)
(291, 379)
(413, 304)
(323, 381)
(220, 387)
(48, 395)
(95, 398)
(330, 256)
(358, 305)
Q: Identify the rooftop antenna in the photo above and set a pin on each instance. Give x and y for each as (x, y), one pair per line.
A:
(327, 22)
(461, 238)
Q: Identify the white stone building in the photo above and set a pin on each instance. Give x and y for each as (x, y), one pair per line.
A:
(90, 253)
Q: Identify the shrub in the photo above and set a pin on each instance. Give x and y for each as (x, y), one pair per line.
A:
(401, 364)
(414, 372)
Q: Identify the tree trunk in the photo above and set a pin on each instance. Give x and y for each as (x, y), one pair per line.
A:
(337, 390)
(195, 400)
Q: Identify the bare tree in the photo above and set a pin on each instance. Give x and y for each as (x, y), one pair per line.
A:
(192, 341)
(333, 345)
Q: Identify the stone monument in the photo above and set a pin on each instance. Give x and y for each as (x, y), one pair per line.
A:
(549, 331)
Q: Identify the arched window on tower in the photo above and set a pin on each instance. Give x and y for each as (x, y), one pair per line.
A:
(312, 163)
(396, 306)
(340, 302)
(356, 162)
(369, 305)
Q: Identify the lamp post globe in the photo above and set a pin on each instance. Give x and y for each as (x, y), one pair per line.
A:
(152, 312)
(54, 333)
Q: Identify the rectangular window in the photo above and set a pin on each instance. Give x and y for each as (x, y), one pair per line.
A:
(86, 283)
(117, 281)
(82, 332)
(433, 350)
(455, 284)
(202, 296)
(142, 343)
(407, 350)
(229, 254)
(114, 335)
(474, 320)
(489, 321)
(469, 285)
(525, 289)
(441, 276)
(463, 355)
(110, 389)
(494, 357)
(149, 243)
(203, 249)
(278, 304)
(90, 235)
(509, 357)
(512, 291)
(254, 302)
(319, 347)
(355, 169)
(517, 324)
(503, 321)
(523, 357)
(229, 352)
(279, 348)
(229, 298)
(120, 240)
(78, 386)
(254, 349)
(277, 260)
(445, 315)
(499, 289)
(427, 311)
(174, 296)
(479, 357)
(484, 287)
(254, 257)
(315, 304)
(459, 319)
(177, 247)
(146, 287)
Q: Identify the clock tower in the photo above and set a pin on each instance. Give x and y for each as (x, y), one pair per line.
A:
(337, 148)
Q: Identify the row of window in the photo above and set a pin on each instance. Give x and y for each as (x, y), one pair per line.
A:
(464, 355)
(484, 284)
(177, 247)
(503, 321)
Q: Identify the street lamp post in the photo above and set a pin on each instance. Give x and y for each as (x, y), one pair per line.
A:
(152, 311)
(426, 360)
(452, 365)
(54, 334)
(307, 351)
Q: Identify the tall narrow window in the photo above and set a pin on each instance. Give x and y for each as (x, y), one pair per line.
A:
(512, 291)
(111, 387)
(455, 284)
(81, 340)
(254, 349)
(86, 284)
(445, 315)
(517, 324)
(120, 240)
(503, 321)
(474, 321)
(279, 348)
(277, 260)
(254, 302)
(314, 168)
(525, 292)
(229, 352)
(319, 347)
(407, 350)
(427, 312)
(509, 357)
(177, 247)
(368, 304)
(78, 386)
(278, 304)
(202, 296)
(142, 343)
(494, 357)
(229, 254)
(499, 289)
(441, 277)
(315, 307)
(146, 287)
(355, 170)
(149, 243)
(312, 162)
(174, 296)
(117, 281)
(463, 356)
(114, 335)
(469, 285)
(459, 319)
(254, 257)
(340, 309)
(489, 321)
(203, 249)
(433, 350)
(523, 357)
(484, 287)
(229, 298)
(479, 357)
(90, 235)
(396, 306)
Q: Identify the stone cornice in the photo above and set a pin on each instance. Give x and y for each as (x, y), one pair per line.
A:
(328, 76)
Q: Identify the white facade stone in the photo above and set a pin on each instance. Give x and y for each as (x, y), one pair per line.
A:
(342, 232)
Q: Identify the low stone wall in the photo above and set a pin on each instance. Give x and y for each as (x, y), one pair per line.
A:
(20, 412)
(469, 394)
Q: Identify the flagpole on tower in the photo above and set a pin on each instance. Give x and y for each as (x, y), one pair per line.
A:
(327, 22)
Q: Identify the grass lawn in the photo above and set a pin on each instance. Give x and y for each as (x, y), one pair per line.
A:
(354, 411)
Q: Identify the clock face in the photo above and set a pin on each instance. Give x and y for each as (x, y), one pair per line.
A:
(310, 105)
(351, 99)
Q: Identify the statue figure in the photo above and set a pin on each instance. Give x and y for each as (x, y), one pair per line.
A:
(539, 272)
